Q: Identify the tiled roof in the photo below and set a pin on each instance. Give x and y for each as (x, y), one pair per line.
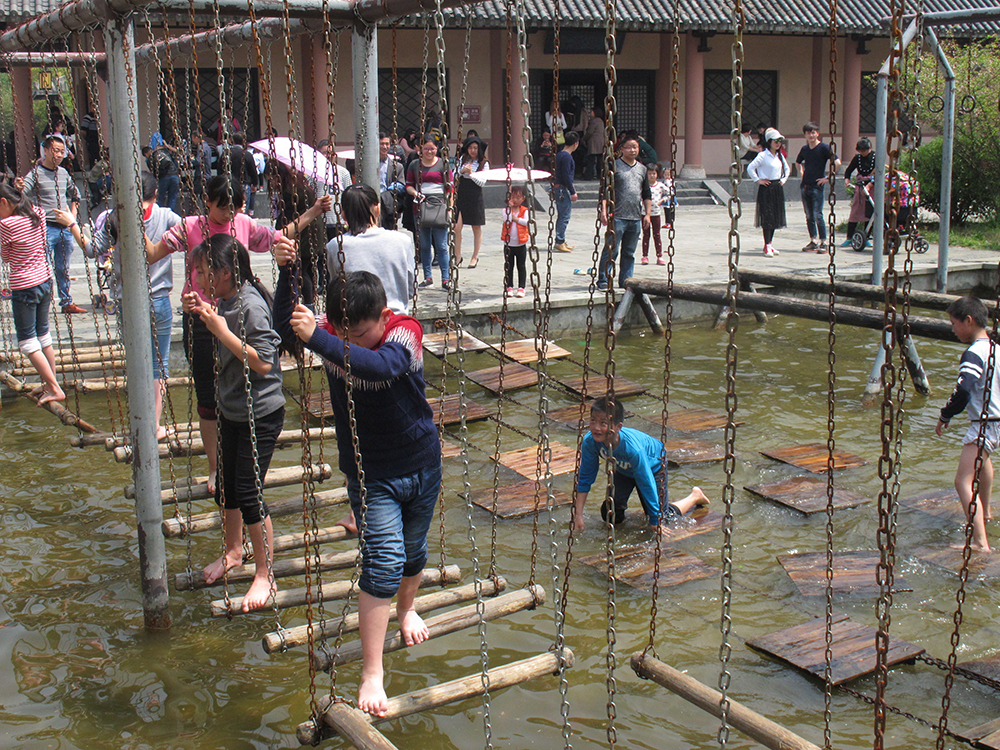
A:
(16, 11)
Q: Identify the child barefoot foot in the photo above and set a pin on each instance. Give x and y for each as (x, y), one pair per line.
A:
(259, 593)
(217, 569)
(348, 523)
(371, 695)
(48, 394)
(700, 498)
(412, 627)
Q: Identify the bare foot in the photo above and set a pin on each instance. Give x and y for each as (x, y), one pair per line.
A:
(51, 395)
(975, 549)
(348, 523)
(259, 593)
(217, 569)
(700, 498)
(412, 627)
(211, 483)
(371, 696)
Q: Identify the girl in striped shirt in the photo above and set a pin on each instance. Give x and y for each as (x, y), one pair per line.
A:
(22, 247)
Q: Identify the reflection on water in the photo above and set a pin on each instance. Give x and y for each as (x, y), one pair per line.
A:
(83, 673)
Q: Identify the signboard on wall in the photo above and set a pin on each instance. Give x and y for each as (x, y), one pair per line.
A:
(472, 114)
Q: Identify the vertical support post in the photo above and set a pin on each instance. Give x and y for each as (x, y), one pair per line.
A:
(874, 388)
(878, 187)
(662, 93)
(947, 163)
(852, 97)
(364, 68)
(24, 126)
(120, 43)
(694, 109)
(518, 153)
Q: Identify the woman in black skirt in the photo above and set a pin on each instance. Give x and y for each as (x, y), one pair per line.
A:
(469, 206)
(769, 170)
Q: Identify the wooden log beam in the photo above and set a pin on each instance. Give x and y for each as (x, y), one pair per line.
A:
(184, 445)
(280, 568)
(67, 18)
(69, 367)
(449, 622)
(197, 489)
(299, 636)
(352, 724)
(931, 328)
(178, 527)
(749, 722)
(101, 350)
(115, 384)
(454, 691)
(87, 441)
(332, 591)
(55, 407)
(624, 308)
(646, 304)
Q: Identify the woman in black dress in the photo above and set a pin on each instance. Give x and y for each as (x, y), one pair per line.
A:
(469, 207)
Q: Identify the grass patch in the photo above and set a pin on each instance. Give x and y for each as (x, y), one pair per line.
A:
(975, 236)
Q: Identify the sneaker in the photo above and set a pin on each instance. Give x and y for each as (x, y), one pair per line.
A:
(810, 248)
(427, 282)
(768, 251)
(446, 285)
(602, 286)
(520, 292)
(661, 262)
(4, 293)
(72, 309)
(845, 243)
(509, 292)
(645, 260)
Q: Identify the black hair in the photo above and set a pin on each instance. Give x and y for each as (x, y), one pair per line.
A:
(429, 138)
(222, 251)
(520, 189)
(19, 203)
(50, 139)
(218, 190)
(605, 404)
(149, 184)
(969, 306)
(571, 138)
(145, 150)
(746, 127)
(810, 126)
(239, 139)
(628, 135)
(463, 153)
(863, 144)
(357, 203)
(382, 134)
(364, 294)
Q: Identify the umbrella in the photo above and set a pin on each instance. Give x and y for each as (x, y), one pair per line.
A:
(502, 174)
(307, 160)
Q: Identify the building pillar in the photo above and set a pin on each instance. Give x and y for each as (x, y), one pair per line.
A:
(851, 123)
(663, 96)
(694, 110)
(24, 123)
(518, 94)
(816, 89)
(497, 118)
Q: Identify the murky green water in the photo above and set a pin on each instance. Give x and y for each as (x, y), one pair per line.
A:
(82, 673)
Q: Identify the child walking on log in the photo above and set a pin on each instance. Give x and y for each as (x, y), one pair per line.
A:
(638, 465)
(22, 247)
(249, 422)
(969, 319)
(400, 453)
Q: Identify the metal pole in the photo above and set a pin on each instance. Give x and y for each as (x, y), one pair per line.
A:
(364, 65)
(878, 187)
(947, 164)
(69, 17)
(119, 42)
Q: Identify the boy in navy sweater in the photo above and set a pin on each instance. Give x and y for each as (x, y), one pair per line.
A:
(398, 443)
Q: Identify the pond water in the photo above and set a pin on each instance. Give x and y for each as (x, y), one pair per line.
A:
(82, 673)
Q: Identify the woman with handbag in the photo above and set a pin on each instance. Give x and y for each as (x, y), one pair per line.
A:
(427, 181)
(555, 123)
(469, 206)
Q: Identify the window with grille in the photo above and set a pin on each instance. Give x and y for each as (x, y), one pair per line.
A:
(409, 95)
(201, 106)
(866, 123)
(760, 99)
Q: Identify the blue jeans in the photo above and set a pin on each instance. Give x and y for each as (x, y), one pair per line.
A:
(168, 188)
(627, 233)
(564, 207)
(31, 310)
(399, 511)
(434, 241)
(163, 320)
(60, 243)
(812, 204)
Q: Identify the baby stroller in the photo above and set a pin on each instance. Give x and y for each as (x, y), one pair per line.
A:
(103, 276)
(909, 199)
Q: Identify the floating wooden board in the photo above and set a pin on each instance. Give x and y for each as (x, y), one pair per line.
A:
(569, 415)
(596, 386)
(681, 449)
(318, 405)
(524, 460)
(514, 376)
(695, 419)
(523, 351)
(943, 504)
(450, 406)
(701, 520)
(985, 736)
(517, 500)
(434, 343)
(804, 646)
(806, 494)
(812, 457)
(635, 566)
(853, 572)
(981, 564)
(450, 449)
(988, 666)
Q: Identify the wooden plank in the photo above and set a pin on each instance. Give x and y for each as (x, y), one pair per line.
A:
(517, 500)
(569, 415)
(943, 504)
(989, 667)
(515, 376)
(806, 494)
(318, 406)
(197, 487)
(695, 419)
(681, 449)
(596, 386)
(853, 650)
(701, 520)
(450, 449)
(434, 343)
(524, 351)
(635, 566)
(525, 460)
(449, 407)
(853, 572)
(977, 734)
(981, 564)
(812, 457)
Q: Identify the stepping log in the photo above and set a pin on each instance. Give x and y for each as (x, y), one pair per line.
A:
(114, 384)
(434, 343)
(182, 446)
(806, 494)
(449, 622)
(177, 527)
(197, 489)
(943, 504)
(812, 457)
(55, 407)
(635, 566)
(353, 725)
(331, 534)
(981, 564)
(525, 460)
(435, 696)
(518, 500)
(596, 386)
(280, 569)
(447, 408)
(804, 646)
(853, 573)
(83, 354)
(524, 351)
(515, 376)
(445, 597)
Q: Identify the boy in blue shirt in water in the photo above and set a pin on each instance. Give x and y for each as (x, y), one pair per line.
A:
(638, 465)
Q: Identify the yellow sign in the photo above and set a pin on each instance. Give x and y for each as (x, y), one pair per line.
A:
(45, 79)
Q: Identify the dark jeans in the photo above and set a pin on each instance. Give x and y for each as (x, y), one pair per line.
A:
(623, 491)
(511, 256)
(626, 237)
(168, 188)
(238, 488)
(199, 348)
(812, 204)
(31, 310)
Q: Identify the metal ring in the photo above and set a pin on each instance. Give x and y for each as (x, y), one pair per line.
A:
(935, 104)
(968, 105)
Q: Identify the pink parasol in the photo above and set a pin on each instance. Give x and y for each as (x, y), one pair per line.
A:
(300, 156)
